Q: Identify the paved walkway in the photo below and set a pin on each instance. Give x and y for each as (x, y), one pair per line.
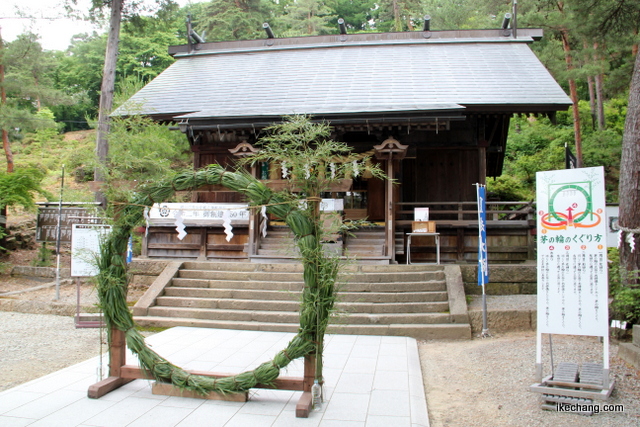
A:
(370, 381)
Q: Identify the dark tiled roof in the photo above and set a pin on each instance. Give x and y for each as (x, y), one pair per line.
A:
(369, 77)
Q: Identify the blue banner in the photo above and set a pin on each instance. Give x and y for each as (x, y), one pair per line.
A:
(130, 250)
(483, 257)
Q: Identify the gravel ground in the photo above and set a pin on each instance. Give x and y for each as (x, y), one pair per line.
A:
(34, 345)
(486, 382)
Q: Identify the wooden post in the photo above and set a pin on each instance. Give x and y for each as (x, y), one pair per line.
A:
(117, 359)
(390, 246)
(386, 151)
(304, 406)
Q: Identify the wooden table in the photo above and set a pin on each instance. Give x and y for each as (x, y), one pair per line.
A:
(435, 235)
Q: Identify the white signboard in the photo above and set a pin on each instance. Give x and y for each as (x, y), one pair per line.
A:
(198, 214)
(572, 252)
(85, 248)
(332, 205)
(421, 214)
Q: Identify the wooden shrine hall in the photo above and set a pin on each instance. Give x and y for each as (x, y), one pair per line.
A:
(433, 107)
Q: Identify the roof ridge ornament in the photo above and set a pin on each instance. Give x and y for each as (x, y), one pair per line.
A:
(343, 29)
(426, 27)
(270, 34)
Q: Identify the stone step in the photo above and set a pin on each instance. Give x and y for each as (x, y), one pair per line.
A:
(255, 294)
(431, 285)
(427, 331)
(297, 267)
(408, 300)
(293, 317)
(283, 276)
(294, 305)
(169, 322)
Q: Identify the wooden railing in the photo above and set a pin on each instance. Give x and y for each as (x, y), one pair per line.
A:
(465, 214)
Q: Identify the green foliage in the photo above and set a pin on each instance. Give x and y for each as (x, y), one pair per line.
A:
(624, 289)
(509, 188)
(463, 14)
(626, 305)
(143, 150)
(29, 86)
(357, 14)
(535, 144)
(44, 257)
(20, 188)
(233, 20)
(307, 152)
(306, 18)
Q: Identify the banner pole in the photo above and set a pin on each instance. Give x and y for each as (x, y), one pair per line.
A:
(483, 259)
(58, 234)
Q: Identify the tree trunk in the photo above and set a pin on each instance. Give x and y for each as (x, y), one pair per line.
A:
(599, 91)
(600, 103)
(3, 100)
(397, 22)
(629, 189)
(592, 100)
(573, 91)
(106, 96)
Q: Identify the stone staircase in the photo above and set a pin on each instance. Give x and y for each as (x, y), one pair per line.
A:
(413, 300)
(365, 245)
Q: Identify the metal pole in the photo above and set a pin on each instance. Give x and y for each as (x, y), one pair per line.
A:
(551, 355)
(485, 327)
(58, 233)
(481, 275)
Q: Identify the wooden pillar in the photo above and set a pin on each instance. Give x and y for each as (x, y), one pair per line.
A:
(117, 359)
(305, 404)
(243, 150)
(482, 162)
(389, 150)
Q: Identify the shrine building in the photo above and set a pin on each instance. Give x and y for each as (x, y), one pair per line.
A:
(432, 107)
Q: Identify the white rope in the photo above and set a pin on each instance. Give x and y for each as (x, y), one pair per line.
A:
(629, 230)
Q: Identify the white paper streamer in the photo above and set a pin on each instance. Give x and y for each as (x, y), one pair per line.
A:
(307, 171)
(146, 221)
(180, 225)
(356, 169)
(263, 223)
(332, 166)
(285, 170)
(226, 222)
(629, 239)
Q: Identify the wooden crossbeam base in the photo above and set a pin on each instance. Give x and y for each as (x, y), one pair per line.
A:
(121, 374)
(105, 386)
(165, 389)
(132, 372)
(303, 407)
